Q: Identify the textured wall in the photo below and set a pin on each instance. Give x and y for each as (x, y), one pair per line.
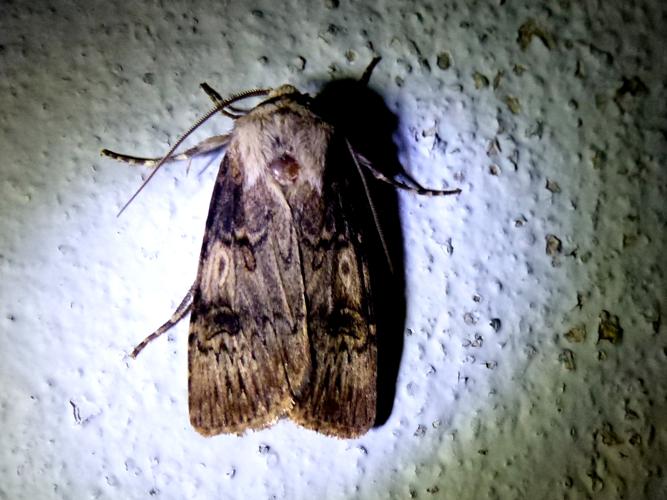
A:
(533, 361)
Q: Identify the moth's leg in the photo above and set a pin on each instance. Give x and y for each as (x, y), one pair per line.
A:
(183, 309)
(233, 112)
(367, 72)
(206, 146)
(416, 188)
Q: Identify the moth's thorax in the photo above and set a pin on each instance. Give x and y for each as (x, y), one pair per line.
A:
(282, 140)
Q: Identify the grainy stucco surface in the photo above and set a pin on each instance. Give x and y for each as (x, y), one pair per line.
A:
(549, 115)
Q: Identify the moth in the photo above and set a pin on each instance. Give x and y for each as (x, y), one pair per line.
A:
(281, 315)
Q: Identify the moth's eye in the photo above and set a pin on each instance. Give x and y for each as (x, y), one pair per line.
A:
(285, 169)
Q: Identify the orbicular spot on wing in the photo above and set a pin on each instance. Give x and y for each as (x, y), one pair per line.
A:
(344, 268)
(248, 257)
(222, 265)
(214, 271)
(347, 275)
(284, 169)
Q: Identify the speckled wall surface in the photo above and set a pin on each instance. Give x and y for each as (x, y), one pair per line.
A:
(534, 357)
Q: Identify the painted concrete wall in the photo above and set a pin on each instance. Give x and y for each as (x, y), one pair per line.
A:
(533, 359)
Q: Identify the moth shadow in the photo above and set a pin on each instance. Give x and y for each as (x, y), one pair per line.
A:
(361, 115)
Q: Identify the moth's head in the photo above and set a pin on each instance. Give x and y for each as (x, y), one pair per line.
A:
(286, 94)
(283, 90)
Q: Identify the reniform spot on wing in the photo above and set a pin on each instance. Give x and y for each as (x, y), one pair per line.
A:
(226, 321)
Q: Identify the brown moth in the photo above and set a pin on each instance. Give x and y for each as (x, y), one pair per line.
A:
(282, 321)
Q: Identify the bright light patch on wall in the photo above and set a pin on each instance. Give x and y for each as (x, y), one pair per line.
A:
(531, 358)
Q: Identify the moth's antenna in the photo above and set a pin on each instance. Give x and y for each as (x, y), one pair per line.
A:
(364, 81)
(376, 219)
(218, 107)
(233, 112)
